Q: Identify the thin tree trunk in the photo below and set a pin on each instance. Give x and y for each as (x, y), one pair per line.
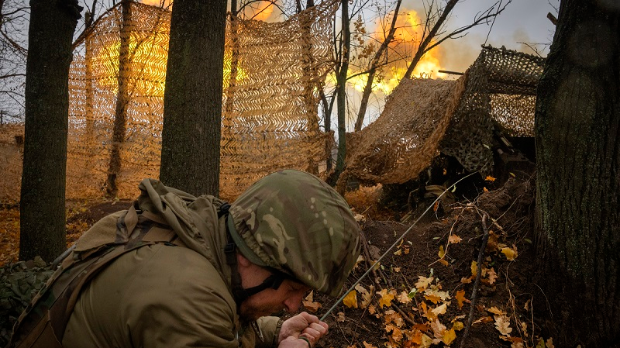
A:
(578, 175)
(122, 101)
(373, 70)
(42, 205)
(422, 48)
(341, 79)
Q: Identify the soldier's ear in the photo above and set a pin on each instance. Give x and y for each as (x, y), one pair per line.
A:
(242, 261)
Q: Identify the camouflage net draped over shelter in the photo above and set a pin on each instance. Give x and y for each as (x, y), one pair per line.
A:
(425, 117)
(270, 117)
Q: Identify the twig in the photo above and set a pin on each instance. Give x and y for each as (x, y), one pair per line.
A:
(474, 296)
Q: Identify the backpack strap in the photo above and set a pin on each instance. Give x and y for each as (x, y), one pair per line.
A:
(43, 322)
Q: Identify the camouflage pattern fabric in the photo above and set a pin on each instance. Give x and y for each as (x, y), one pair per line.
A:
(19, 283)
(294, 222)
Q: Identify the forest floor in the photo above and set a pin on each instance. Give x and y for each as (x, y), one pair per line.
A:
(421, 293)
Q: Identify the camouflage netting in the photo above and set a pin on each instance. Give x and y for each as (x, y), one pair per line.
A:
(270, 107)
(19, 282)
(425, 117)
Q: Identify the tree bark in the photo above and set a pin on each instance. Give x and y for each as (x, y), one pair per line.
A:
(190, 156)
(423, 47)
(374, 65)
(578, 180)
(42, 205)
(341, 97)
(122, 101)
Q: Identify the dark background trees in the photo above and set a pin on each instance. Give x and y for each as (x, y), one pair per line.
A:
(42, 205)
(578, 154)
(190, 155)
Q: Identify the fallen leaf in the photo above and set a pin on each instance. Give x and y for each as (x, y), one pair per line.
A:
(403, 297)
(368, 345)
(474, 268)
(444, 262)
(486, 319)
(549, 343)
(365, 294)
(441, 252)
(458, 326)
(438, 328)
(386, 298)
(340, 318)
(510, 254)
(484, 189)
(466, 280)
(454, 239)
(460, 298)
(492, 276)
(448, 336)
(351, 299)
(489, 179)
(398, 252)
(502, 324)
(433, 298)
(396, 269)
(312, 307)
(496, 310)
(441, 309)
(423, 282)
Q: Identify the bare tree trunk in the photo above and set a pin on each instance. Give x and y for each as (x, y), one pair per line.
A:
(122, 101)
(374, 65)
(578, 183)
(341, 80)
(42, 205)
(423, 47)
(190, 155)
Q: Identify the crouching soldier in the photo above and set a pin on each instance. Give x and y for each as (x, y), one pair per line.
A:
(182, 271)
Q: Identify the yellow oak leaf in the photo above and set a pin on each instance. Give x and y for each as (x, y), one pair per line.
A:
(466, 280)
(458, 326)
(403, 297)
(423, 282)
(486, 319)
(426, 341)
(433, 298)
(441, 309)
(496, 310)
(448, 336)
(312, 307)
(460, 298)
(492, 276)
(351, 299)
(392, 317)
(510, 254)
(454, 239)
(372, 309)
(474, 268)
(502, 324)
(386, 298)
(441, 252)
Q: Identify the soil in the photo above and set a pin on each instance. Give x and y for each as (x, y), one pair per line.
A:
(509, 306)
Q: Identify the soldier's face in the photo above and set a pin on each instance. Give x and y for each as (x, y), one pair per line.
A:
(287, 297)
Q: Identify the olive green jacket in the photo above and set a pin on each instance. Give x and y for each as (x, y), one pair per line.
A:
(165, 295)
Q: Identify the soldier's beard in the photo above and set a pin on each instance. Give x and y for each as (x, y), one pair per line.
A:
(250, 311)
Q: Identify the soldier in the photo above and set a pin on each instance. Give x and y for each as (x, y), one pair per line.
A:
(182, 271)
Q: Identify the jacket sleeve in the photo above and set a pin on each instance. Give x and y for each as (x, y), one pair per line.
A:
(269, 328)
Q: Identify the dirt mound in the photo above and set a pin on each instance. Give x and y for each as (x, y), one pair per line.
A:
(421, 294)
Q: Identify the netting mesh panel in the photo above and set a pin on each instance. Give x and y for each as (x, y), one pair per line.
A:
(423, 117)
(404, 139)
(94, 87)
(270, 103)
(270, 107)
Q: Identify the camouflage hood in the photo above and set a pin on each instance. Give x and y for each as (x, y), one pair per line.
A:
(194, 220)
(294, 222)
